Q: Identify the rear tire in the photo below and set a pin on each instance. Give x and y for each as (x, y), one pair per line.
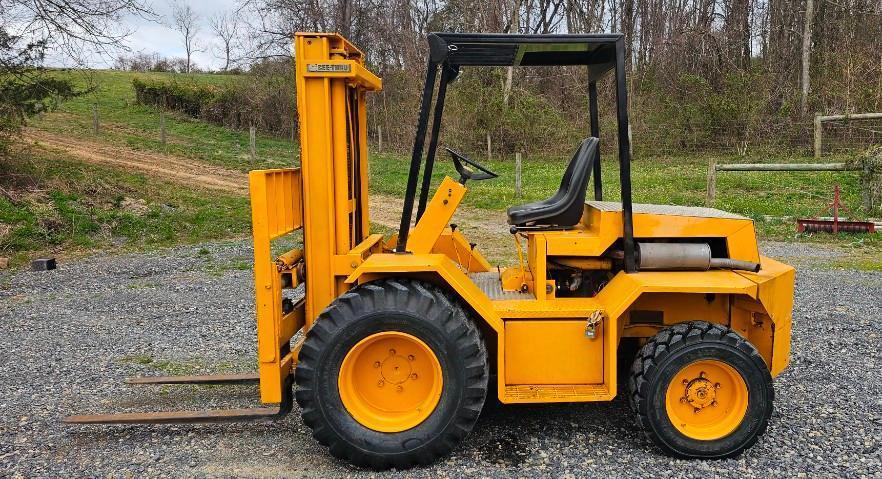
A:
(700, 390)
(346, 406)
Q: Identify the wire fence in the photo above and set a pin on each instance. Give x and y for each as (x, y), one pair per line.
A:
(850, 136)
(847, 137)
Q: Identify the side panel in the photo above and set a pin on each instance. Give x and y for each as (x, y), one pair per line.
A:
(624, 289)
(672, 308)
(552, 352)
(776, 282)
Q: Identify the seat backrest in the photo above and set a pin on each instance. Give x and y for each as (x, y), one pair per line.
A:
(568, 175)
(575, 184)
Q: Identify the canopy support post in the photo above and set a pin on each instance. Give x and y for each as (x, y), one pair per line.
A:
(595, 132)
(416, 157)
(624, 158)
(433, 140)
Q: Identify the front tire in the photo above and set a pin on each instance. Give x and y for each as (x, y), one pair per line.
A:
(700, 390)
(392, 374)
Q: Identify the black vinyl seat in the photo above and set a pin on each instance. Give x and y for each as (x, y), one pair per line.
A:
(564, 208)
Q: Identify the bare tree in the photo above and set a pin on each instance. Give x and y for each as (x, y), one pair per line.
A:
(720, 71)
(806, 54)
(186, 22)
(225, 26)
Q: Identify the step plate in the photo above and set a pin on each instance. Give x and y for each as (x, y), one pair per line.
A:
(536, 393)
(490, 284)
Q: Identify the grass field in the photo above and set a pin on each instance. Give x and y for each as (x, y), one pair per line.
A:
(55, 205)
(209, 215)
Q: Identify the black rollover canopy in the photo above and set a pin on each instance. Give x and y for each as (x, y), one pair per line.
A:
(449, 52)
(597, 52)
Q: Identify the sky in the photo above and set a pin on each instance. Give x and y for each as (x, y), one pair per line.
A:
(149, 37)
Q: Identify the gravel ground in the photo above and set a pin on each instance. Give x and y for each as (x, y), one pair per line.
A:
(70, 336)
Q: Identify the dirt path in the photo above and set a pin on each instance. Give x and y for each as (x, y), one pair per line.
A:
(182, 170)
(485, 227)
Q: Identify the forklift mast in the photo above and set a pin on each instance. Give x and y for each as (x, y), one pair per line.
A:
(326, 197)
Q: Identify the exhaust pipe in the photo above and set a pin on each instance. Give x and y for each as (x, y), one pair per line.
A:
(686, 257)
(726, 263)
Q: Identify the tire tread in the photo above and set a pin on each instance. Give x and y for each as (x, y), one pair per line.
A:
(646, 366)
(398, 295)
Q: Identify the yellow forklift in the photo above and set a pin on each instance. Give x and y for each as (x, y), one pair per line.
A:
(390, 350)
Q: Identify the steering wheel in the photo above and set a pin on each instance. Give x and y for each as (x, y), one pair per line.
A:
(478, 173)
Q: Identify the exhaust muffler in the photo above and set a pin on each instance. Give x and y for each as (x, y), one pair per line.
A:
(686, 257)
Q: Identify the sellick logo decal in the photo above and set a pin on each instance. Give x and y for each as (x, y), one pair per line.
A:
(329, 68)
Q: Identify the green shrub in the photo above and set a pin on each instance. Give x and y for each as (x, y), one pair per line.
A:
(265, 101)
(191, 98)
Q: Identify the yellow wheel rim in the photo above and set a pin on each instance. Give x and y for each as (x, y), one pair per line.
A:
(707, 400)
(390, 381)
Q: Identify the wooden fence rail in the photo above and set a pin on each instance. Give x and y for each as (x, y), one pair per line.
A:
(714, 167)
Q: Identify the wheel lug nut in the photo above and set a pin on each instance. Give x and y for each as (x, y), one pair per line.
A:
(717, 386)
(410, 357)
(399, 388)
(413, 376)
(714, 403)
(683, 400)
(685, 382)
(380, 383)
(696, 410)
(392, 352)
(376, 364)
(702, 375)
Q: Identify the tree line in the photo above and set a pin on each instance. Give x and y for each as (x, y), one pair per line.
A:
(730, 75)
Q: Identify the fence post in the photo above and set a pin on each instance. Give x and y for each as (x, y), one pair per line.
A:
(818, 133)
(711, 182)
(162, 127)
(518, 175)
(489, 149)
(867, 187)
(95, 118)
(380, 138)
(252, 137)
